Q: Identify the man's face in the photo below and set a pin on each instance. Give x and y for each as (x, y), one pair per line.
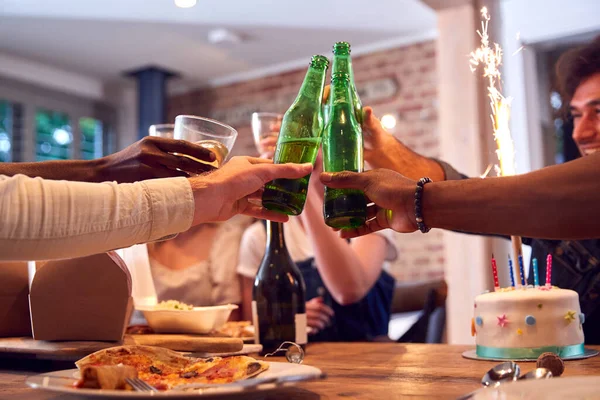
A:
(585, 109)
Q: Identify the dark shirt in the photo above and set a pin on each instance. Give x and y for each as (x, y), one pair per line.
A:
(361, 321)
(575, 266)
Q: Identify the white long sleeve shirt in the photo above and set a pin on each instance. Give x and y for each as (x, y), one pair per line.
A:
(44, 219)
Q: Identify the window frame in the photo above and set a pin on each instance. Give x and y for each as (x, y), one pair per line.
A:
(33, 97)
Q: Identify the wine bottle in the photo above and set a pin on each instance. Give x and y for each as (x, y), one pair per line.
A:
(278, 304)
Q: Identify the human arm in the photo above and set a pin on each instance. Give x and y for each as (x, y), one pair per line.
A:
(146, 159)
(45, 219)
(383, 150)
(349, 270)
(524, 205)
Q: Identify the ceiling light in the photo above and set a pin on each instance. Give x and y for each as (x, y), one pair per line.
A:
(388, 121)
(185, 3)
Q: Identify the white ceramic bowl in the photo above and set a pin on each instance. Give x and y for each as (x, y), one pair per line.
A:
(198, 320)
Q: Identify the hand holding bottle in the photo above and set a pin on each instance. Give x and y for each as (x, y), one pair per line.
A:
(225, 192)
(392, 193)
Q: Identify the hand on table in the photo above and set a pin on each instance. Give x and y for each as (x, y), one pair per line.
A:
(151, 158)
(392, 193)
(318, 315)
(223, 193)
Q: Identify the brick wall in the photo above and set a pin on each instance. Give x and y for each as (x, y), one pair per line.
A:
(413, 102)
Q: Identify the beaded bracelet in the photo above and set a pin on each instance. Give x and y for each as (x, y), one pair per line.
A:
(418, 210)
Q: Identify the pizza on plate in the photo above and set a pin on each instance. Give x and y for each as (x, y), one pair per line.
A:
(163, 368)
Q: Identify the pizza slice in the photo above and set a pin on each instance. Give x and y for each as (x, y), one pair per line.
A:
(164, 369)
(111, 377)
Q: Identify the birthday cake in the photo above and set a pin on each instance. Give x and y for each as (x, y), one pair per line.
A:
(518, 323)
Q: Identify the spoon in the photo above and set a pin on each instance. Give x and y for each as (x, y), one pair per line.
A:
(538, 373)
(501, 373)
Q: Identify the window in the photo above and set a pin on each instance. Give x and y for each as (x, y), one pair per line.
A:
(54, 140)
(91, 138)
(5, 131)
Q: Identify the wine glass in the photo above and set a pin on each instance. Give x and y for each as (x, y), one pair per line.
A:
(208, 133)
(265, 125)
(162, 130)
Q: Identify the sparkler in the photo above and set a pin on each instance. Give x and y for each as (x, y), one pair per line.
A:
(489, 57)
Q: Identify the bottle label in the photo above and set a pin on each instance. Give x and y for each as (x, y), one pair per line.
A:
(300, 322)
(255, 323)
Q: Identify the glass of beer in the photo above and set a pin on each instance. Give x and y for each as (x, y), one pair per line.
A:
(162, 130)
(208, 133)
(265, 125)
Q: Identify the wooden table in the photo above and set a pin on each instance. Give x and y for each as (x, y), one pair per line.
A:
(355, 371)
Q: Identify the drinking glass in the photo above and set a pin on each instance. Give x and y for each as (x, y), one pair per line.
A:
(208, 133)
(265, 125)
(162, 130)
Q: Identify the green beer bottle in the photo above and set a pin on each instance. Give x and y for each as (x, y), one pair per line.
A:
(343, 151)
(342, 64)
(299, 140)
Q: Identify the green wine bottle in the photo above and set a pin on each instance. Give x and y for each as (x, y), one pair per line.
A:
(342, 64)
(299, 141)
(278, 305)
(343, 151)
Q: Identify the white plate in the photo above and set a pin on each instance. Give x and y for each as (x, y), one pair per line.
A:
(278, 375)
(569, 388)
(200, 320)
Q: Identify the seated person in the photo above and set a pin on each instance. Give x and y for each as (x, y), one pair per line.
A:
(198, 267)
(348, 291)
(576, 263)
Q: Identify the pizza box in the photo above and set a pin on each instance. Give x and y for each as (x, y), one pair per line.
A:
(14, 305)
(86, 298)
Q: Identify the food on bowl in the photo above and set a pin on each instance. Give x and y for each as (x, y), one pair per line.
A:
(198, 320)
(165, 369)
(173, 305)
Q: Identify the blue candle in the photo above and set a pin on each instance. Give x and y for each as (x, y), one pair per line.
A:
(521, 270)
(512, 275)
(536, 278)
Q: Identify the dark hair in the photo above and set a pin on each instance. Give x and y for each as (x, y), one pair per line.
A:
(575, 66)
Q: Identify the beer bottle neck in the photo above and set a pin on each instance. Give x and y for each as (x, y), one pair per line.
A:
(313, 85)
(342, 64)
(340, 94)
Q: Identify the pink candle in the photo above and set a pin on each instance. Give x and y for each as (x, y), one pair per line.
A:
(549, 270)
(495, 273)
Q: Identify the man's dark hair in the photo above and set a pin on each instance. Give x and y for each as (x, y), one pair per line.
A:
(575, 66)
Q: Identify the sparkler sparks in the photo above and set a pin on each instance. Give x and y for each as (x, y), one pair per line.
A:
(490, 58)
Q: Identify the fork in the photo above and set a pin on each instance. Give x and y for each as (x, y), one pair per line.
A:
(139, 385)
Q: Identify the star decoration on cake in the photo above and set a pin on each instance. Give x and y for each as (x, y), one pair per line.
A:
(570, 316)
(502, 320)
(519, 332)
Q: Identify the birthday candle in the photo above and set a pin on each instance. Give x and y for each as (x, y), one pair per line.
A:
(495, 273)
(536, 278)
(549, 270)
(512, 275)
(522, 270)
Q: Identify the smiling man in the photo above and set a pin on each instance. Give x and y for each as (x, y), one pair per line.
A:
(579, 76)
(576, 263)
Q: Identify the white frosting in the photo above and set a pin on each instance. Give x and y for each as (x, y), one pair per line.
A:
(556, 312)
